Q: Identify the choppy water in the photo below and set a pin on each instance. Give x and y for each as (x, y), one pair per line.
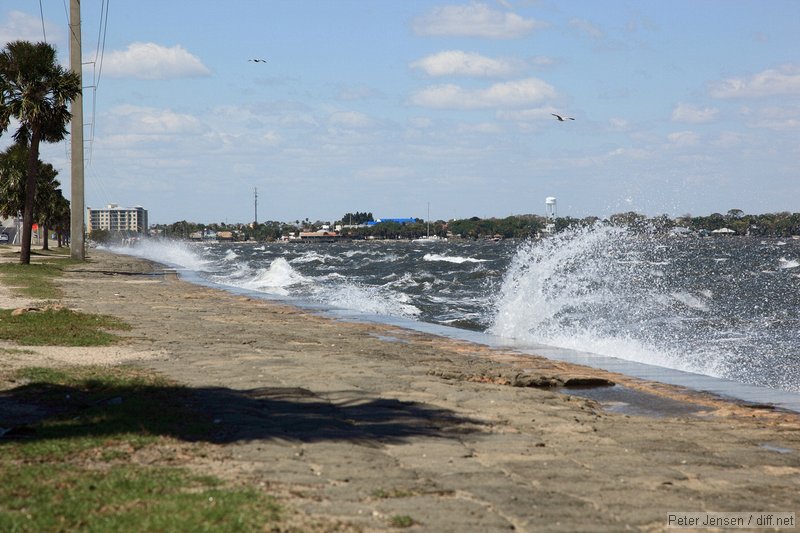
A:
(726, 307)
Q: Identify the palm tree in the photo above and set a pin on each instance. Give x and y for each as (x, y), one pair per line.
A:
(47, 195)
(12, 180)
(62, 218)
(35, 91)
(13, 163)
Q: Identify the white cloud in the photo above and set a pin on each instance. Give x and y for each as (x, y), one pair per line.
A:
(618, 124)
(694, 115)
(151, 61)
(351, 119)
(587, 28)
(23, 27)
(383, 173)
(776, 118)
(359, 92)
(541, 61)
(482, 128)
(146, 121)
(420, 122)
(771, 82)
(728, 139)
(683, 138)
(474, 20)
(630, 153)
(527, 115)
(458, 63)
(508, 94)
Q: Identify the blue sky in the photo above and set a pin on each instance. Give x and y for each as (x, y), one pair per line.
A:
(388, 105)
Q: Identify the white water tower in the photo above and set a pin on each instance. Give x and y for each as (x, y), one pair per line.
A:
(550, 208)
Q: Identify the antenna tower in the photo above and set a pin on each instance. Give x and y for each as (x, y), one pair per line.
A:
(255, 205)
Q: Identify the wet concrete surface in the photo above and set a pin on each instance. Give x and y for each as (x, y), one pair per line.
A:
(623, 400)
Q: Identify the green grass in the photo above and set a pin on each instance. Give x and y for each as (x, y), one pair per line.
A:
(96, 407)
(402, 521)
(75, 470)
(59, 327)
(383, 494)
(13, 351)
(35, 280)
(37, 497)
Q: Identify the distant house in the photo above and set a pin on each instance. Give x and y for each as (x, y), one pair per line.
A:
(679, 231)
(723, 231)
(204, 235)
(225, 236)
(319, 236)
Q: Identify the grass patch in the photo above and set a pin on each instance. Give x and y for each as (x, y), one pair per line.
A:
(60, 327)
(100, 407)
(402, 521)
(384, 494)
(75, 469)
(15, 351)
(35, 280)
(36, 497)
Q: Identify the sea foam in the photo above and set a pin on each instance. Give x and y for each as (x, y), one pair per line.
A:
(174, 253)
(593, 290)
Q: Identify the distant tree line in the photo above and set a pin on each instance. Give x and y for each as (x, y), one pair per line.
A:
(357, 218)
(782, 224)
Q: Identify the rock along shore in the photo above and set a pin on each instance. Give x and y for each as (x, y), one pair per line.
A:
(351, 424)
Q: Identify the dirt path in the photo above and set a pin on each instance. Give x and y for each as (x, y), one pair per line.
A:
(358, 423)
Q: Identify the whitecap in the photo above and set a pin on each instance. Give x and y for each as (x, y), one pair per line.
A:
(277, 278)
(166, 251)
(310, 257)
(369, 299)
(690, 300)
(451, 259)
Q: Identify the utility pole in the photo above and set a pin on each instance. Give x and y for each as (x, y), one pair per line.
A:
(255, 198)
(76, 233)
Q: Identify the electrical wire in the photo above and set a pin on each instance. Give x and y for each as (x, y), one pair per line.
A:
(97, 69)
(41, 13)
(96, 72)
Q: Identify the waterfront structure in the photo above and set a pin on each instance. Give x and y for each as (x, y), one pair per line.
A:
(401, 221)
(550, 215)
(117, 219)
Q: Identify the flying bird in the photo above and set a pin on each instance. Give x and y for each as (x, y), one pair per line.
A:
(560, 118)
(258, 60)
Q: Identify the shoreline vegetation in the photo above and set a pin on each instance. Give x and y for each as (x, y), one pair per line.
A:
(217, 412)
(72, 436)
(353, 226)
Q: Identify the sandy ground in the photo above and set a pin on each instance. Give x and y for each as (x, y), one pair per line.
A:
(352, 424)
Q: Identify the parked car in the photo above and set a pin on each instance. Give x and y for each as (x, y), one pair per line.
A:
(3, 238)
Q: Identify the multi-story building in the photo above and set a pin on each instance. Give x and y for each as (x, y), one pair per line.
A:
(115, 218)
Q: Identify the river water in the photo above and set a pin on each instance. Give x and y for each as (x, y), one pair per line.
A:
(726, 306)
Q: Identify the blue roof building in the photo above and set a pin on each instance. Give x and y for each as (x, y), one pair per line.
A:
(395, 220)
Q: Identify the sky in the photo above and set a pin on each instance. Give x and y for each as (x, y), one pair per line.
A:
(397, 107)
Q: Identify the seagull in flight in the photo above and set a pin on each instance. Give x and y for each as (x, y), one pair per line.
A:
(258, 60)
(560, 118)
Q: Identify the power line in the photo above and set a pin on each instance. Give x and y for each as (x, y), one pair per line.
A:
(104, 30)
(41, 13)
(69, 25)
(97, 69)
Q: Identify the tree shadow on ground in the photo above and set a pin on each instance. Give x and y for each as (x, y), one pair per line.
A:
(40, 411)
